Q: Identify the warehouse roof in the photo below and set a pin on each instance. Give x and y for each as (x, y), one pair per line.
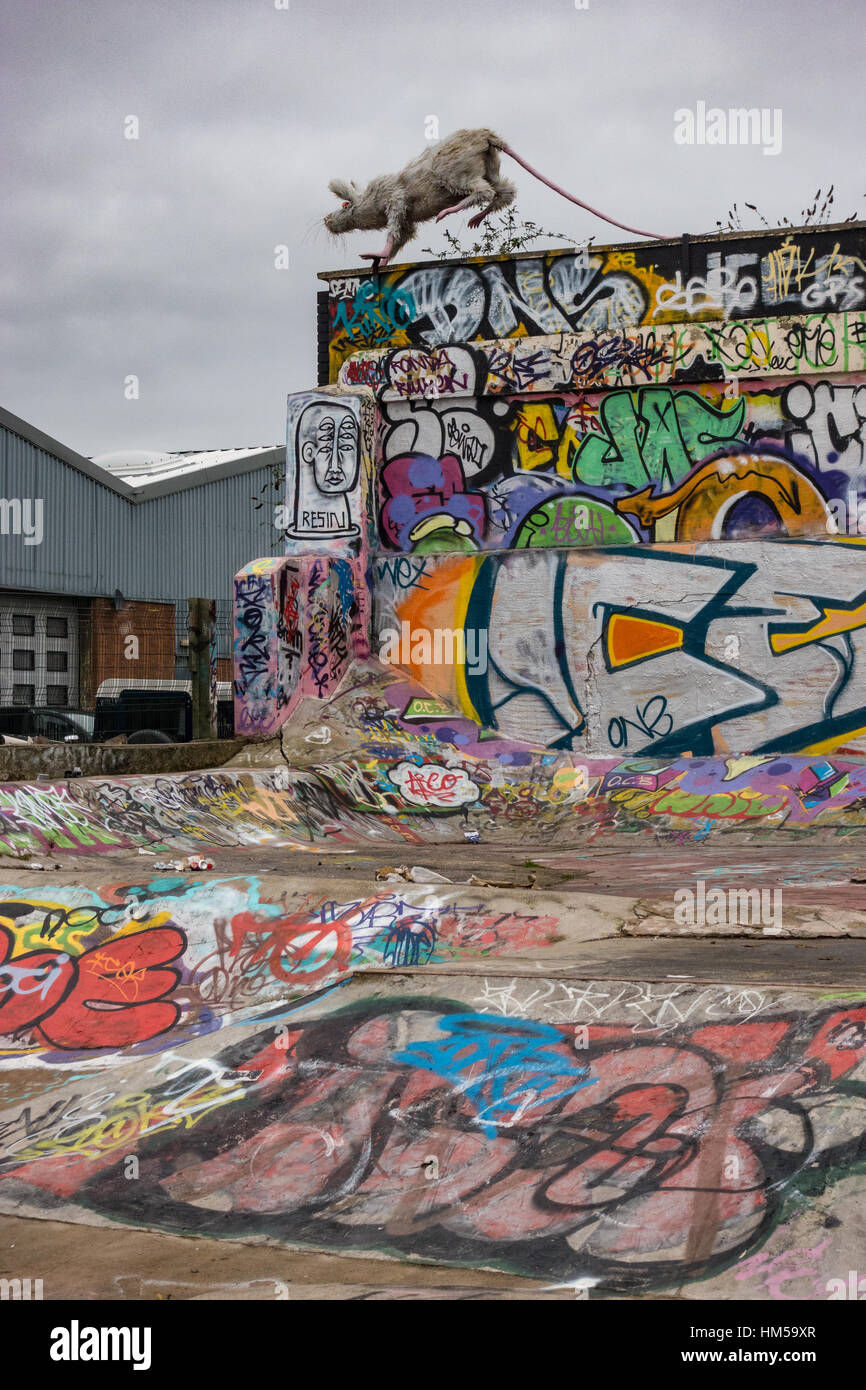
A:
(141, 471)
(167, 472)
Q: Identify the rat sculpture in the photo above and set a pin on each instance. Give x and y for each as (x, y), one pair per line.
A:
(465, 166)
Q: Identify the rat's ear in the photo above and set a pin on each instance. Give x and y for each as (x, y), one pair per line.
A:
(342, 189)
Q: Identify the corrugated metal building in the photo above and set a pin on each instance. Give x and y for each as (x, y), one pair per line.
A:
(90, 559)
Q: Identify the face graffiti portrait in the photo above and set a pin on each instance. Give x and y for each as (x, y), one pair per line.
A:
(326, 467)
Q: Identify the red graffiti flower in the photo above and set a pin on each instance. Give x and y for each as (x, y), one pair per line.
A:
(110, 996)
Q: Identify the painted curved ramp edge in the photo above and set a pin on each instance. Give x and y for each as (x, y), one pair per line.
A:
(88, 969)
(392, 793)
(383, 763)
(637, 1137)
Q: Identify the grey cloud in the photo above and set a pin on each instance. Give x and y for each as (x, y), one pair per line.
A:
(155, 256)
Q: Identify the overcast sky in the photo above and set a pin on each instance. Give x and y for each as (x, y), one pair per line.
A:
(155, 256)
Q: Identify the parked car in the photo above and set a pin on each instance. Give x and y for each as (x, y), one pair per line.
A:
(61, 726)
(142, 711)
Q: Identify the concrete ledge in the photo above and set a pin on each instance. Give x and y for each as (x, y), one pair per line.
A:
(24, 764)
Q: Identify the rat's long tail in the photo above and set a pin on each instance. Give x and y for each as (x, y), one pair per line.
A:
(506, 149)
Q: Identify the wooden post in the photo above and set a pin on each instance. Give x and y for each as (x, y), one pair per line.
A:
(212, 673)
(201, 653)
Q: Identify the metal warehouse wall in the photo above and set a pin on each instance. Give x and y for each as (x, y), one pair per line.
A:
(95, 540)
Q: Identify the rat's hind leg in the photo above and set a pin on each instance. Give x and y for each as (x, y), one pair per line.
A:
(503, 194)
(480, 192)
(458, 207)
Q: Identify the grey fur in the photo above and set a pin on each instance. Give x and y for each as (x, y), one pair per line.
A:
(464, 166)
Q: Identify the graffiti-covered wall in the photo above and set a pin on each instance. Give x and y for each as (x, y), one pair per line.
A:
(670, 649)
(296, 621)
(679, 428)
(644, 463)
(598, 290)
(652, 637)
(696, 489)
(329, 470)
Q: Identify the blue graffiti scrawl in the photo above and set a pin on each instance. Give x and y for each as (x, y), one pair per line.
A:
(505, 1068)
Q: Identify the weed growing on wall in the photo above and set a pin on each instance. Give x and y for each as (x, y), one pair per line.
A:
(817, 213)
(276, 485)
(502, 234)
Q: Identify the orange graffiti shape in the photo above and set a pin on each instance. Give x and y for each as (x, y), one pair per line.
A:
(124, 976)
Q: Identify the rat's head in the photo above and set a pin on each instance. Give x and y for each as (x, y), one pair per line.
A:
(343, 219)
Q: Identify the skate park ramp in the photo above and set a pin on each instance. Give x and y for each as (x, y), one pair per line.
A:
(698, 1137)
(594, 1050)
(355, 772)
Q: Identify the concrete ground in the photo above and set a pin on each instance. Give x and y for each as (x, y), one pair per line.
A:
(110, 1262)
(86, 1262)
(806, 868)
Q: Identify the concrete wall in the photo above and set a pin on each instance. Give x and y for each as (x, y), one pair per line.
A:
(754, 647)
(636, 457)
(298, 622)
(53, 760)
